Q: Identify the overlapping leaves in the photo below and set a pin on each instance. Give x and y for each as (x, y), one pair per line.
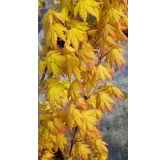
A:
(79, 53)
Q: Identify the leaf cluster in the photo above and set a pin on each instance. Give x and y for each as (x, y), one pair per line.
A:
(76, 76)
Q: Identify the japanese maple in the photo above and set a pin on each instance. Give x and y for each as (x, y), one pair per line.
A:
(80, 49)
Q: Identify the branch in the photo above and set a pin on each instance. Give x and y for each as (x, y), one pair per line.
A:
(43, 76)
(72, 141)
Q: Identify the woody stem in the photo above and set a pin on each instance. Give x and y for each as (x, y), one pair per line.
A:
(43, 76)
(72, 141)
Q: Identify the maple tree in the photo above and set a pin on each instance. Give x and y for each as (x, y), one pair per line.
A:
(80, 49)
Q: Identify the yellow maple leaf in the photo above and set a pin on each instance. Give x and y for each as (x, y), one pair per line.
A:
(92, 133)
(86, 53)
(51, 127)
(90, 119)
(98, 113)
(60, 29)
(79, 136)
(44, 116)
(105, 44)
(113, 21)
(100, 146)
(90, 116)
(50, 17)
(55, 93)
(81, 103)
(47, 155)
(69, 48)
(107, 31)
(52, 34)
(49, 145)
(102, 73)
(59, 125)
(110, 69)
(89, 78)
(51, 38)
(115, 56)
(113, 15)
(83, 7)
(78, 117)
(75, 90)
(64, 6)
(120, 35)
(51, 80)
(75, 36)
(104, 100)
(60, 114)
(82, 150)
(61, 141)
(53, 138)
(72, 66)
(85, 120)
(91, 101)
(102, 156)
(116, 92)
(53, 28)
(77, 24)
(55, 62)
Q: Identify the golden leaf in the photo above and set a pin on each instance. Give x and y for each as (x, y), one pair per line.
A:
(92, 100)
(75, 89)
(104, 100)
(75, 36)
(115, 55)
(59, 125)
(83, 7)
(61, 141)
(72, 66)
(47, 155)
(117, 93)
(100, 146)
(78, 117)
(82, 150)
(55, 93)
(86, 53)
(79, 25)
(55, 62)
(102, 73)
(51, 127)
(81, 103)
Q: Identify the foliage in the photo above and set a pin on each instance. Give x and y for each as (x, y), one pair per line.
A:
(79, 52)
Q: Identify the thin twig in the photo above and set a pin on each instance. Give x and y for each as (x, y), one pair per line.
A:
(43, 76)
(72, 141)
